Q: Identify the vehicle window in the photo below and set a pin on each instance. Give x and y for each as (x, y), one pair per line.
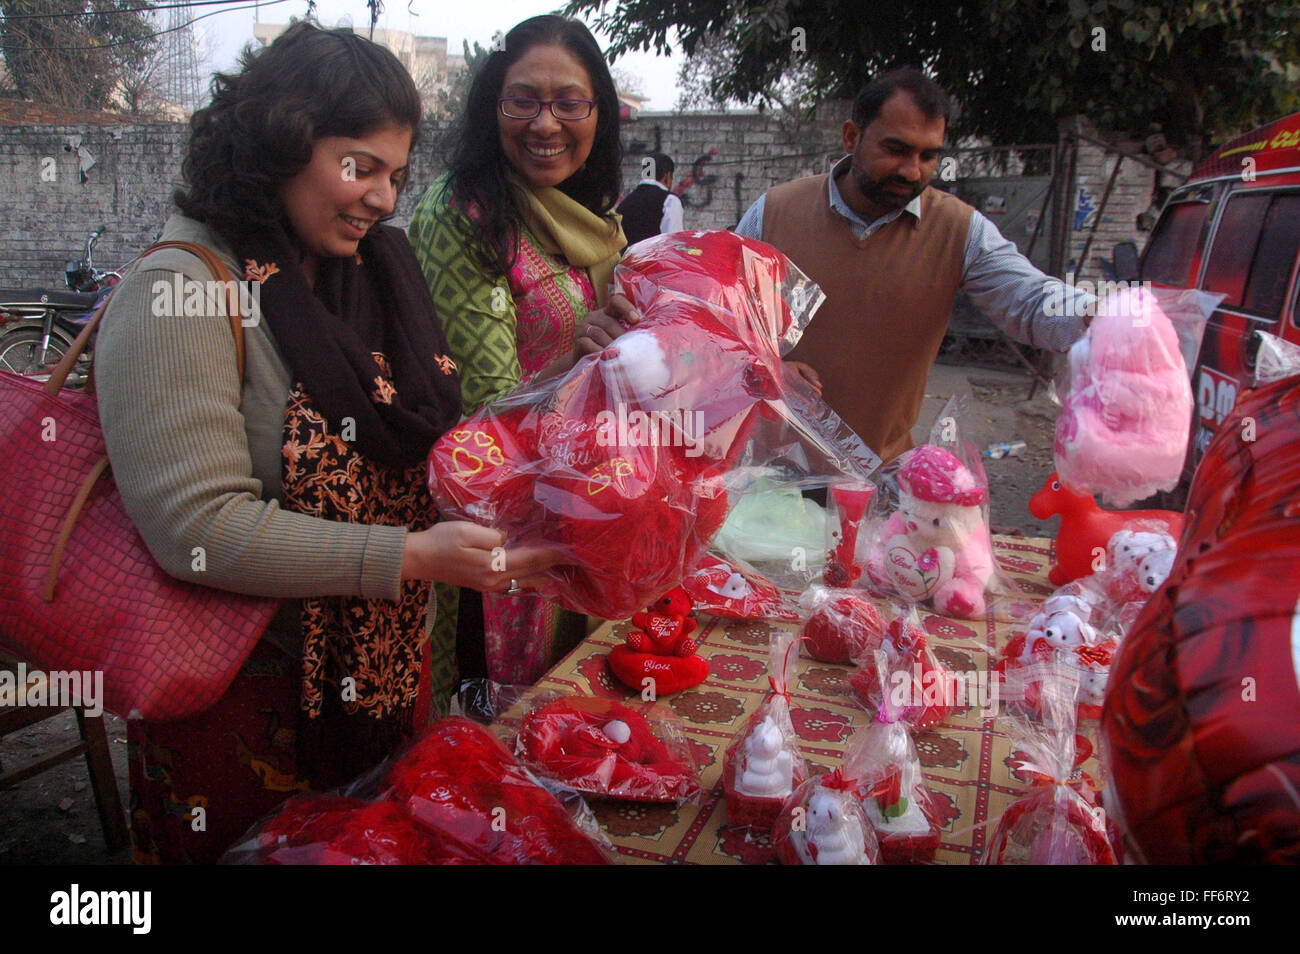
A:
(1270, 272)
(1169, 253)
(1234, 246)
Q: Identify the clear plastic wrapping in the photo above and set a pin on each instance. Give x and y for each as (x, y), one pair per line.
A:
(1127, 410)
(1053, 823)
(1074, 630)
(840, 625)
(732, 589)
(902, 675)
(883, 761)
(626, 464)
(1275, 359)
(454, 796)
(823, 823)
(928, 540)
(763, 765)
(602, 747)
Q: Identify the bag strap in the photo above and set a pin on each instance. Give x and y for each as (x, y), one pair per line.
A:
(70, 521)
(60, 375)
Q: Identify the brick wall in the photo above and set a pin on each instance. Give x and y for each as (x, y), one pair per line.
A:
(725, 161)
(1130, 196)
(48, 211)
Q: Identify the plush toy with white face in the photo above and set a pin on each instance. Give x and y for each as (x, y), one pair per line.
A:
(936, 547)
(1127, 548)
(835, 835)
(1126, 553)
(1154, 569)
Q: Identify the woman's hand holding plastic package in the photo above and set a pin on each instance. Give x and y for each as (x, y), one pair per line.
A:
(465, 554)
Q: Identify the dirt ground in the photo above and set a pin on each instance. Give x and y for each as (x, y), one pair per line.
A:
(51, 819)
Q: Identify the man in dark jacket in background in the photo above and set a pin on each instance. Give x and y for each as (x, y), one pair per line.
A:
(651, 208)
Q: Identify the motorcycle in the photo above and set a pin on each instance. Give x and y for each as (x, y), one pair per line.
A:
(38, 326)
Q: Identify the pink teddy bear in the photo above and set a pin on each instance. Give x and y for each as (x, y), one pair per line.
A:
(936, 547)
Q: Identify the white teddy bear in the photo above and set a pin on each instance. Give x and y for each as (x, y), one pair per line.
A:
(834, 835)
(1154, 569)
(768, 768)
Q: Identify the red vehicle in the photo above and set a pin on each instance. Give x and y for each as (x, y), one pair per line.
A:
(1234, 228)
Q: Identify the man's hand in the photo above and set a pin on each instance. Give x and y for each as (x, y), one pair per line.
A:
(806, 372)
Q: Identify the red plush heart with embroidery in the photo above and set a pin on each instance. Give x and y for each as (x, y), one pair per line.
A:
(668, 674)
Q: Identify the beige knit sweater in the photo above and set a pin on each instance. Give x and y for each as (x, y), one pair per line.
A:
(197, 457)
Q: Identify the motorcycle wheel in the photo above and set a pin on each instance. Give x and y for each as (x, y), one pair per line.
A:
(20, 353)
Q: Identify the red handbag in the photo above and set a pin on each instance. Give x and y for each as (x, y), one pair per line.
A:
(79, 590)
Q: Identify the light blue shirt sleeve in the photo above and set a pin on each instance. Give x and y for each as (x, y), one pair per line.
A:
(751, 223)
(1029, 306)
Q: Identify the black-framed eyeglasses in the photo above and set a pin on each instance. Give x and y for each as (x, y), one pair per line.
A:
(525, 107)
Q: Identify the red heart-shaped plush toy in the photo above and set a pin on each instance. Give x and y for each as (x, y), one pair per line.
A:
(669, 673)
(604, 747)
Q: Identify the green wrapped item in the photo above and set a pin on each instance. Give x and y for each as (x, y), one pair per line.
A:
(771, 525)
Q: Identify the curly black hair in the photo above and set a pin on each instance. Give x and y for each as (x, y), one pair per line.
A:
(477, 166)
(260, 127)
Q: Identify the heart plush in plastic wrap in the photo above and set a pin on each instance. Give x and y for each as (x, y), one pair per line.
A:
(625, 464)
(725, 588)
(606, 748)
(455, 796)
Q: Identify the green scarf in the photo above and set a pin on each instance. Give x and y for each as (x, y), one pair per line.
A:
(562, 226)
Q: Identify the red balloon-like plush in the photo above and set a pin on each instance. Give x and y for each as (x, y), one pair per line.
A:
(621, 464)
(1202, 711)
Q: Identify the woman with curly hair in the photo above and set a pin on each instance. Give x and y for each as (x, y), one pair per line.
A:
(304, 479)
(518, 242)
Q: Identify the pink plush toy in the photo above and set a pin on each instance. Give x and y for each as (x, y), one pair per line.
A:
(936, 547)
(1124, 425)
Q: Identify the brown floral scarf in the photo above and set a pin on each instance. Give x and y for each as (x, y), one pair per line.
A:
(361, 657)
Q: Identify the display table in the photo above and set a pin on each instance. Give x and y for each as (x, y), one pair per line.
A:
(965, 759)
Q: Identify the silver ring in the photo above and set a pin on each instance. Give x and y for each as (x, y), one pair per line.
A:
(514, 587)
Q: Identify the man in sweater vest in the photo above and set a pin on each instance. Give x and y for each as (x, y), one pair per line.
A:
(651, 208)
(890, 252)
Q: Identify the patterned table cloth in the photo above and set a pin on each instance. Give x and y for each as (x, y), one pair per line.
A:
(966, 759)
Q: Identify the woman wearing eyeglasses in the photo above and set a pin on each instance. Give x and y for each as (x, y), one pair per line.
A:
(519, 241)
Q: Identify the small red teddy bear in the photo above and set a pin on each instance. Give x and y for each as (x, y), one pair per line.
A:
(664, 628)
